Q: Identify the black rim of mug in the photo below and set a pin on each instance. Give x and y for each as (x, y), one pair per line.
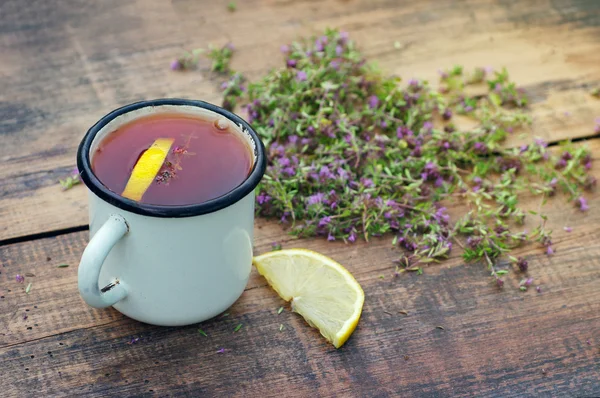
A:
(221, 202)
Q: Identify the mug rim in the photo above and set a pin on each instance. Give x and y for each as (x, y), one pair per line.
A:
(165, 211)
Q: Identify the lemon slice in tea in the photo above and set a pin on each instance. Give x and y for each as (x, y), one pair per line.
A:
(146, 168)
(320, 289)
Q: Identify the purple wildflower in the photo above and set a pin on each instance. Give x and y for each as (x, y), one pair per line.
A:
(441, 216)
(552, 185)
(560, 164)
(400, 132)
(20, 278)
(367, 182)
(291, 63)
(430, 171)
(480, 147)
(540, 142)
(373, 101)
(523, 148)
(285, 49)
(330, 237)
(221, 351)
(499, 282)
(301, 76)
(290, 171)
(315, 199)
(528, 282)
(325, 173)
(508, 164)
(263, 198)
(549, 250)
(342, 174)
(522, 264)
(474, 241)
(338, 50)
(567, 155)
(568, 229)
(582, 203)
(324, 221)
(447, 114)
(283, 162)
(176, 65)
(427, 126)
(319, 45)
(335, 64)
(277, 149)
(352, 237)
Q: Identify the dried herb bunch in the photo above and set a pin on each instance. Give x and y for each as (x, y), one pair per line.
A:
(355, 153)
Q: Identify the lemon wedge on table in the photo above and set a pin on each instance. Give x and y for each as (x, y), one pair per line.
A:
(146, 168)
(320, 289)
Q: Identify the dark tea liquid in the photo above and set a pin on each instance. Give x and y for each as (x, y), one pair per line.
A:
(206, 160)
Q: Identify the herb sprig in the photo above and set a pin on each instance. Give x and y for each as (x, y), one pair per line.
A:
(220, 57)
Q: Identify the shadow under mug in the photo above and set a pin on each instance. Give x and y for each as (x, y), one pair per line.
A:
(167, 265)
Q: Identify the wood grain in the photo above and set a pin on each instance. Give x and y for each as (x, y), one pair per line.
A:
(493, 342)
(67, 63)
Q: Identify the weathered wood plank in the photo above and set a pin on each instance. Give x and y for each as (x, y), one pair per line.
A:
(494, 343)
(66, 63)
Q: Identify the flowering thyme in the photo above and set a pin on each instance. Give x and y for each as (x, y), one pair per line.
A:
(354, 154)
(220, 57)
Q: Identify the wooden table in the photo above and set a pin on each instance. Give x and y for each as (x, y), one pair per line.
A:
(65, 63)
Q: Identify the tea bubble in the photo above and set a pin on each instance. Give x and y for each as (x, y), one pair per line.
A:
(221, 124)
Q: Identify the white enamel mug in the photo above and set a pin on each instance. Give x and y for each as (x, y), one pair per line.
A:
(167, 265)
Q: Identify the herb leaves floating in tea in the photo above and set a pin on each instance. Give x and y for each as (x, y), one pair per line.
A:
(355, 153)
(169, 168)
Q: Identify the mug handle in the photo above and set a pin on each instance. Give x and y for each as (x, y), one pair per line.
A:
(91, 262)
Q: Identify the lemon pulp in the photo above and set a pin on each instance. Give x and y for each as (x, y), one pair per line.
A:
(321, 290)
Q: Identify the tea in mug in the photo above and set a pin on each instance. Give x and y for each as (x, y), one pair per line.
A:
(173, 159)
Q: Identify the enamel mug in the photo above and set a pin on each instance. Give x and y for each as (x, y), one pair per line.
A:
(167, 265)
